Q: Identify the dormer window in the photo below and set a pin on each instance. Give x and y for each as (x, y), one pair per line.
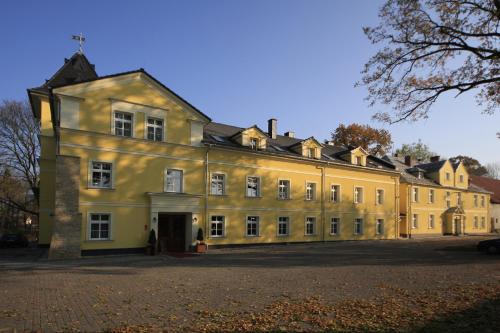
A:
(420, 175)
(254, 143)
(358, 160)
(311, 152)
(461, 178)
(448, 176)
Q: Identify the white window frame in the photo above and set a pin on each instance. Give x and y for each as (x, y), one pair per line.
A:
(165, 180)
(310, 220)
(310, 194)
(91, 175)
(415, 194)
(223, 223)
(258, 194)
(476, 200)
(132, 121)
(356, 192)
(432, 196)
(254, 143)
(89, 226)
(432, 221)
(155, 126)
(257, 225)
(215, 174)
(287, 223)
(475, 223)
(459, 199)
(483, 201)
(359, 221)
(414, 221)
(311, 152)
(358, 160)
(483, 222)
(379, 223)
(334, 221)
(289, 189)
(382, 196)
(338, 190)
(447, 199)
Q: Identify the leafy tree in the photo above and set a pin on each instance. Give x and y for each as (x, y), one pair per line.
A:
(429, 48)
(375, 141)
(472, 165)
(418, 150)
(19, 153)
(493, 170)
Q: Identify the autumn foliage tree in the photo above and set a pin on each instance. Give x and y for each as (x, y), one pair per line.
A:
(375, 141)
(433, 47)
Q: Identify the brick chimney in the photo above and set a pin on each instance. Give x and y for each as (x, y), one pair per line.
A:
(409, 160)
(272, 128)
(435, 158)
(290, 134)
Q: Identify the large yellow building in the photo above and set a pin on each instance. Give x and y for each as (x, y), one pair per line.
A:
(123, 154)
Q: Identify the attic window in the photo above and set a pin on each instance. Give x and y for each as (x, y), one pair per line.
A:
(357, 160)
(254, 143)
(217, 138)
(311, 152)
(420, 175)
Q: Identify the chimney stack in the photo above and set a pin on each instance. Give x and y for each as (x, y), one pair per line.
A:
(409, 160)
(435, 158)
(290, 134)
(272, 128)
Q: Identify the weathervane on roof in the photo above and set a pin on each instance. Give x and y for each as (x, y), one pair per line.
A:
(80, 40)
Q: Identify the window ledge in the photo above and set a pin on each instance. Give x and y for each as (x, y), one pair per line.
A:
(101, 188)
(283, 235)
(257, 197)
(215, 195)
(281, 199)
(99, 240)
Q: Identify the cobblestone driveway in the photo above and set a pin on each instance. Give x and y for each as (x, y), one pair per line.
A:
(94, 294)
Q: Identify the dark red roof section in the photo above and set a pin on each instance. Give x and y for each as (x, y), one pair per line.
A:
(490, 184)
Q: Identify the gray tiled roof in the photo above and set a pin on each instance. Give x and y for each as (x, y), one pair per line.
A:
(281, 146)
(407, 175)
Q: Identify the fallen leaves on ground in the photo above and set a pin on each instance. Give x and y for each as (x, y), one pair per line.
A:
(456, 309)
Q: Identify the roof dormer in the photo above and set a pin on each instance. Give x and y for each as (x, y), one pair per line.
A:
(356, 156)
(252, 137)
(309, 148)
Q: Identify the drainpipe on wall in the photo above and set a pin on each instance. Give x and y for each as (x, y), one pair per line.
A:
(323, 218)
(206, 192)
(396, 207)
(409, 215)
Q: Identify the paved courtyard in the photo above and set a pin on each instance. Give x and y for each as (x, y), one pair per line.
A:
(131, 293)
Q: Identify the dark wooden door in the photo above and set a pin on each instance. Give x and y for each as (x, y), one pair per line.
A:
(172, 232)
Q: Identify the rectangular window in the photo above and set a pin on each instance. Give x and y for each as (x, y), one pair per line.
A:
(283, 225)
(100, 226)
(283, 189)
(218, 186)
(358, 226)
(476, 222)
(155, 129)
(253, 187)
(123, 124)
(101, 174)
(254, 143)
(173, 181)
(431, 196)
(475, 200)
(311, 152)
(379, 227)
(414, 221)
(448, 176)
(335, 226)
(483, 202)
(252, 226)
(358, 160)
(335, 193)
(459, 199)
(461, 178)
(415, 194)
(217, 225)
(448, 199)
(431, 221)
(358, 195)
(483, 222)
(380, 197)
(310, 191)
(310, 225)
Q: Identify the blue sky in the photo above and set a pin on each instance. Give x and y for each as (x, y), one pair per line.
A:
(240, 62)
